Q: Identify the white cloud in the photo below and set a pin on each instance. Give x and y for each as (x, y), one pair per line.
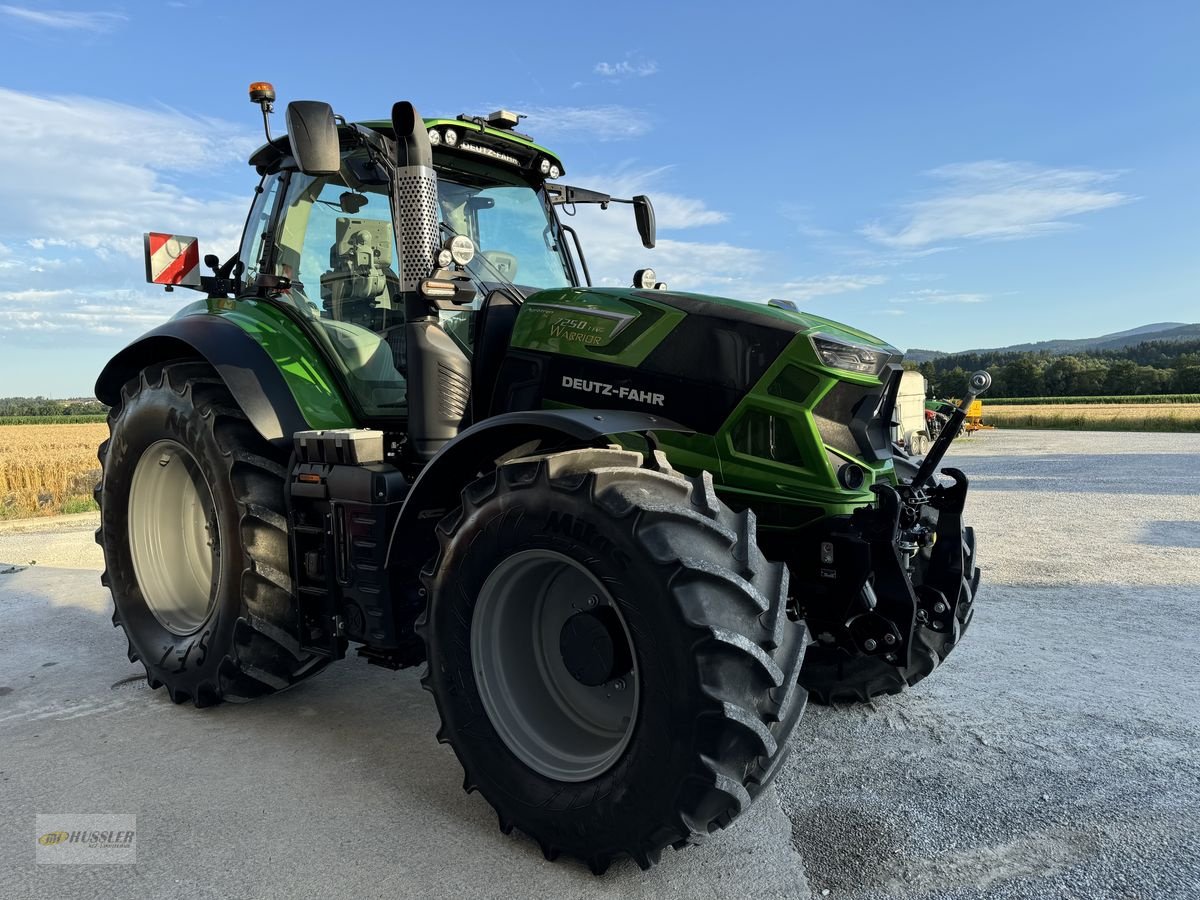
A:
(614, 251)
(996, 200)
(51, 314)
(103, 173)
(626, 68)
(804, 289)
(936, 297)
(80, 180)
(596, 123)
(65, 20)
(671, 211)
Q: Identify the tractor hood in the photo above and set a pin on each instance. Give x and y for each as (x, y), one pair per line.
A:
(610, 312)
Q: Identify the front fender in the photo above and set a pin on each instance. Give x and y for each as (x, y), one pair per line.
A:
(436, 490)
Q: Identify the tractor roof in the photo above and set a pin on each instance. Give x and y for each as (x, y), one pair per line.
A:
(475, 140)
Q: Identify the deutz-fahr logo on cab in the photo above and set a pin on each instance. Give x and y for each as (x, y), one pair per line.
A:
(605, 389)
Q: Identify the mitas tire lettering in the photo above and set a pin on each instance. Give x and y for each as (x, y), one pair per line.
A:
(585, 533)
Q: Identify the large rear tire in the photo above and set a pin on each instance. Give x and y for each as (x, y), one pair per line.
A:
(678, 712)
(832, 674)
(194, 531)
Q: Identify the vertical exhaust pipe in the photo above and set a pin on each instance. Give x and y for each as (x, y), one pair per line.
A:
(414, 207)
(438, 372)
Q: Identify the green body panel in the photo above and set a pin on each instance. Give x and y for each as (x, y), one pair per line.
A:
(590, 323)
(605, 325)
(307, 376)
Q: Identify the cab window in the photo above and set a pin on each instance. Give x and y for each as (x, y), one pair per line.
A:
(334, 241)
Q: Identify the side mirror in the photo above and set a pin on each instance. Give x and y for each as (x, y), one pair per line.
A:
(644, 213)
(312, 134)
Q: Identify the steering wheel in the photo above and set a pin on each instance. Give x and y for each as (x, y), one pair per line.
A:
(504, 263)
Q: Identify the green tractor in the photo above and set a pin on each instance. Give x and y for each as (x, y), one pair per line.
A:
(628, 531)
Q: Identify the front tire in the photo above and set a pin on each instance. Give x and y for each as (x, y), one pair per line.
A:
(194, 531)
(678, 605)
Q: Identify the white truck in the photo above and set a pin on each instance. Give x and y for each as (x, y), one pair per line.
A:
(911, 430)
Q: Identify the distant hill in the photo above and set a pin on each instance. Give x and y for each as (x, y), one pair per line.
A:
(1160, 331)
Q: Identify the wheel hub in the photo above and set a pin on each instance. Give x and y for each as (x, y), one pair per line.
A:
(174, 541)
(553, 661)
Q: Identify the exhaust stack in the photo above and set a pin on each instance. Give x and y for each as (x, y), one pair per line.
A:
(414, 207)
(439, 373)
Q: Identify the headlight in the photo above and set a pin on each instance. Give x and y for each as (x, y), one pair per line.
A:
(435, 137)
(850, 357)
(450, 137)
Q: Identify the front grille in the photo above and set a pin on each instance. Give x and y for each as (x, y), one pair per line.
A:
(857, 420)
(835, 413)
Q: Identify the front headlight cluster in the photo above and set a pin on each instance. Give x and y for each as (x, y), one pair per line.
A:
(850, 357)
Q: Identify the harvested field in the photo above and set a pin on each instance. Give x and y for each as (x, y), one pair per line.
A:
(48, 469)
(1096, 416)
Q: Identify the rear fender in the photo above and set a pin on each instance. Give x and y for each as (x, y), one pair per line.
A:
(254, 377)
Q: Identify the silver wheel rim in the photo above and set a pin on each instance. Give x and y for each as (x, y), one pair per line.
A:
(173, 537)
(553, 723)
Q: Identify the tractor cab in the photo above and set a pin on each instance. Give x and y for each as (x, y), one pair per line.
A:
(326, 243)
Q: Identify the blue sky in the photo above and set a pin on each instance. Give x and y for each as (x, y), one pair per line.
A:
(948, 175)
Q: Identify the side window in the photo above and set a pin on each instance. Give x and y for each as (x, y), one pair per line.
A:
(256, 226)
(348, 258)
(335, 242)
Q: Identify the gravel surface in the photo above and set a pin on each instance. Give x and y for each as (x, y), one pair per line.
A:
(1056, 755)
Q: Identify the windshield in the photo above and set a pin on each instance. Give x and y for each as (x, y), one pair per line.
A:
(512, 230)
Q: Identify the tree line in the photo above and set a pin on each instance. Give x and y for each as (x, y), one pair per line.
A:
(44, 406)
(1151, 367)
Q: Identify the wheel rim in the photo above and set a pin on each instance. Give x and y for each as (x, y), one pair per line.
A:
(556, 724)
(173, 537)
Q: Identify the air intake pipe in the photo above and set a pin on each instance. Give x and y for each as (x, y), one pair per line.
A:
(439, 373)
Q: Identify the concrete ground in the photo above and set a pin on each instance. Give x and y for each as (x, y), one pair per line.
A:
(1056, 755)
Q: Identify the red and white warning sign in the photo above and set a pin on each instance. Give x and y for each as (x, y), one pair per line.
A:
(172, 259)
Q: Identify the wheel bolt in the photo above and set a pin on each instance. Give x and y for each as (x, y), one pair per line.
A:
(939, 607)
(593, 600)
(870, 644)
(889, 639)
(619, 684)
